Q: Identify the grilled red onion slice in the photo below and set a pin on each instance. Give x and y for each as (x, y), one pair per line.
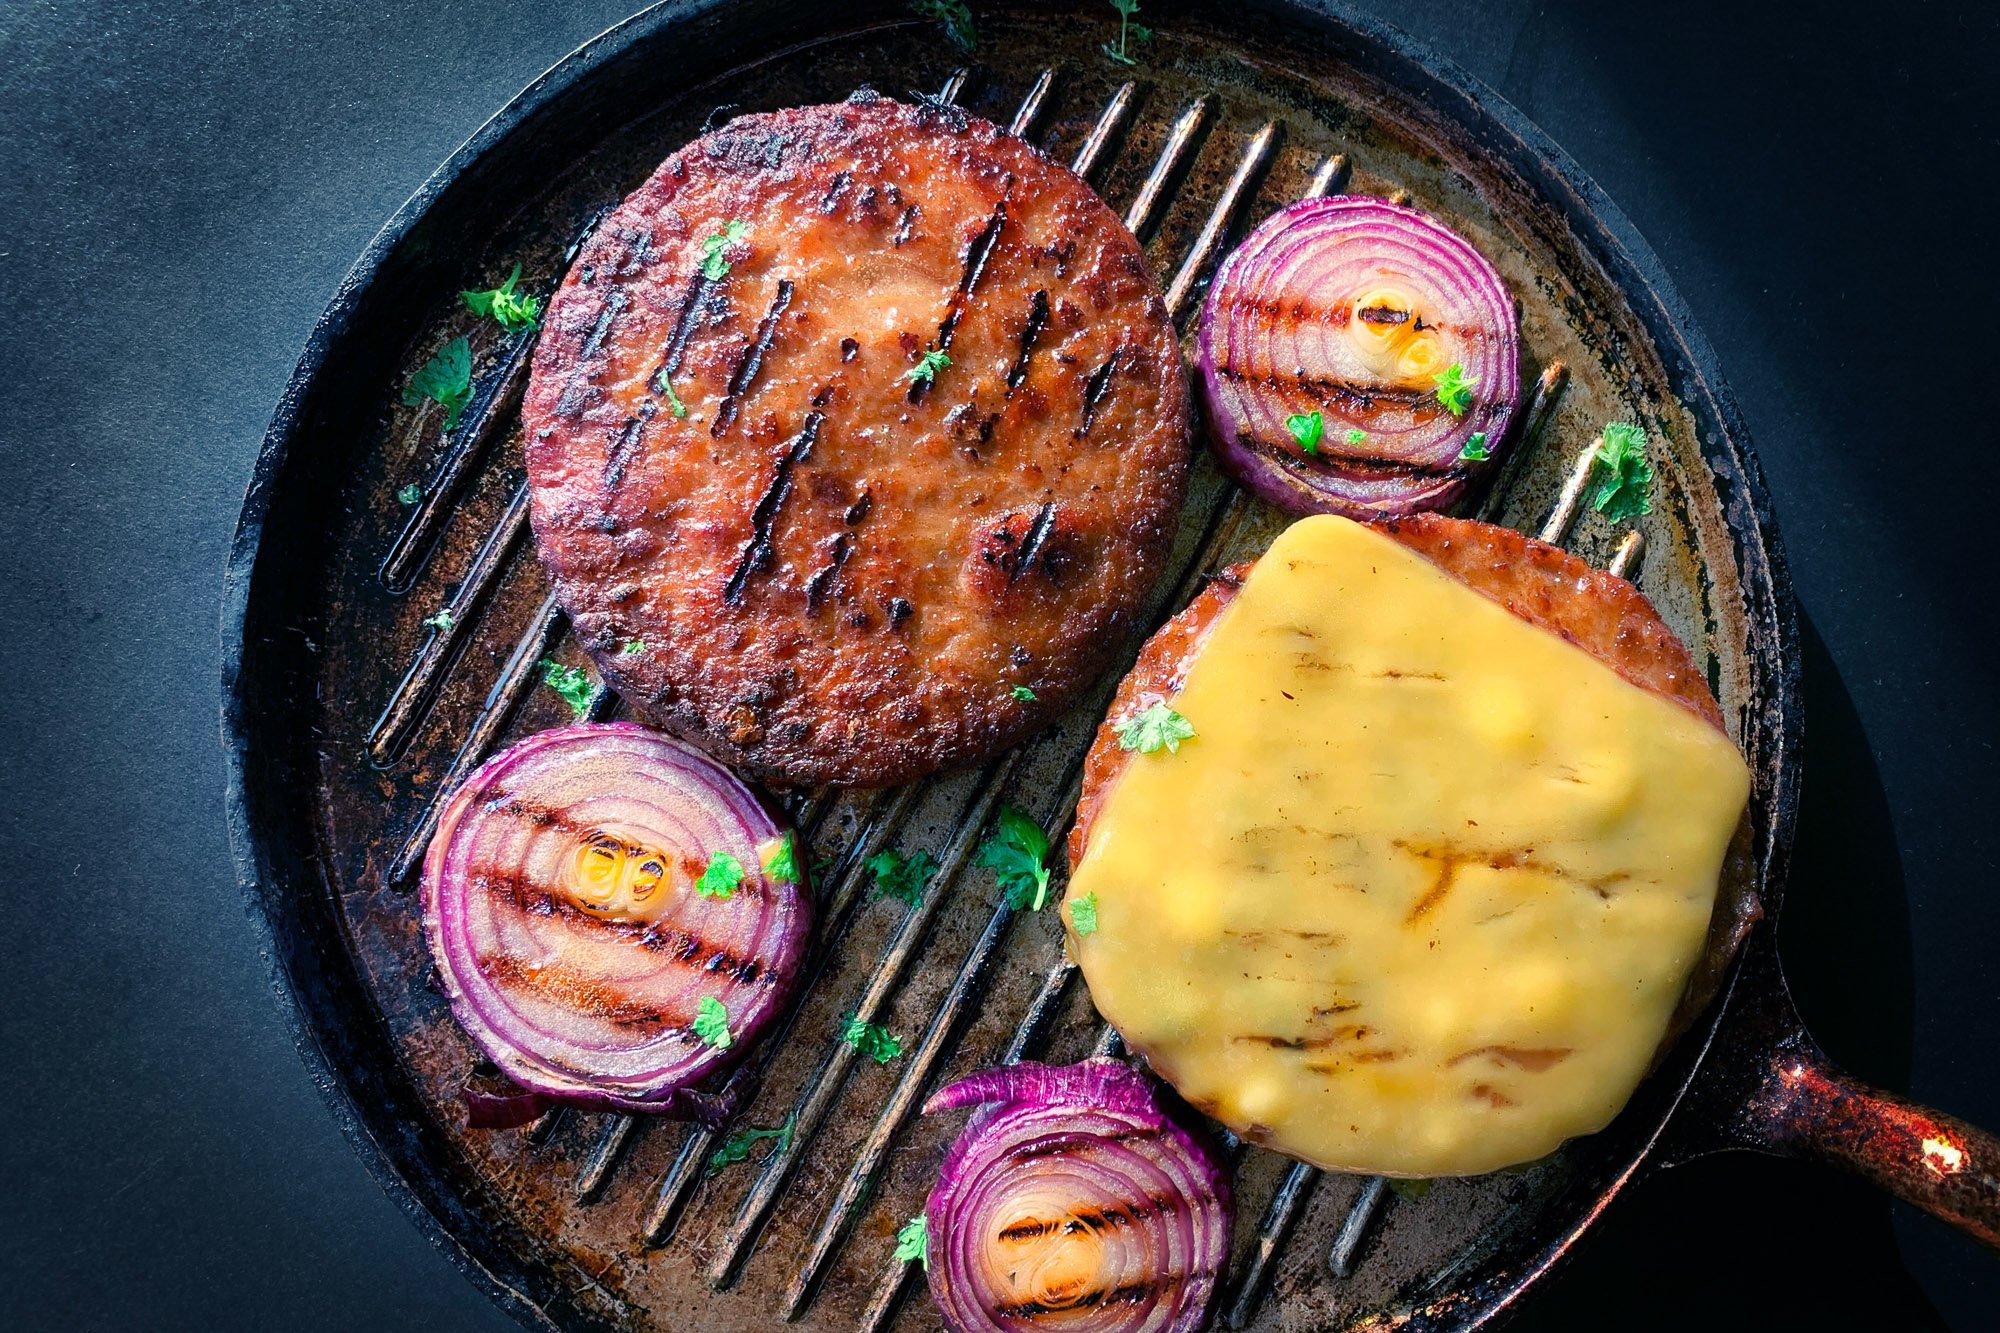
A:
(1354, 308)
(560, 904)
(1073, 1200)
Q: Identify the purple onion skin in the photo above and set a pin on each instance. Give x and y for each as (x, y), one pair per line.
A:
(1042, 1128)
(1318, 255)
(764, 922)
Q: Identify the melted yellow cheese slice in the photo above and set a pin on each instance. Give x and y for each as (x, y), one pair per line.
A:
(1421, 893)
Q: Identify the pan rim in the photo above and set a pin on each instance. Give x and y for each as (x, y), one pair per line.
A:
(1634, 268)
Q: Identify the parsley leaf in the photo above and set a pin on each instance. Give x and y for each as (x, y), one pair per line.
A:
(1308, 428)
(1083, 914)
(1624, 493)
(913, 1240)
(1355, 435)
(572, 683)
(674, 403)
(1023, 693)
(711, 1023)
(1153, 728)
(511, 310)
(736, 1148)
(902, 877)
(872, 1040)
(1128, 32)
(714, 263)
(955, 17)
(781, 861)
(1018, 851)
(632, 648)
(1454, 390)
(440, 622)
(720, 876)
(445, 379)
(410, 494)
(927, 367)
(1475, 450)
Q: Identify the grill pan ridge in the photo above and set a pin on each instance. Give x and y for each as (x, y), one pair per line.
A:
(347, 720)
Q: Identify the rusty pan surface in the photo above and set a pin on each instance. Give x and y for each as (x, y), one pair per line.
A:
(346, 715)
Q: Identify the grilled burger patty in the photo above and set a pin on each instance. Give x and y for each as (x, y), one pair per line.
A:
(843, 559)
(1544, 585)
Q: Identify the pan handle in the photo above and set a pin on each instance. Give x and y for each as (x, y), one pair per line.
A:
(1766, 1086)
(1806, 1107)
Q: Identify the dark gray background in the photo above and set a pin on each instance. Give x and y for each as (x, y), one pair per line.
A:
(182, 183)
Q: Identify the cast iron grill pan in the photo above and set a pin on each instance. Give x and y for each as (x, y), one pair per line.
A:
(349, 718)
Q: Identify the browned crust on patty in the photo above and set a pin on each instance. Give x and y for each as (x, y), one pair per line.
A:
(836, 574)
(1542, 584)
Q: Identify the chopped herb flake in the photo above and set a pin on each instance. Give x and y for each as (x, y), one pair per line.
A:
(927, 367)
(1128, 32)
(872, 1040)
(633, 647)
(1083, 914)
(780, 856)
(714, 263)
(1475, 450)
(902, 877)
(711, 1023)
(1411, 1190)
(512, 310)
(1017, 851)
(674, 403)
(1625, 491)
(736, 1148)
(410, 494)
(1454, 390)
(1355, 435)
(720, 876)
(445, 379)
(1308, 428)
(913, 1241)
(572, 683)
(1023, 693)
(955, 17)
(440, 622)
(1153, 728)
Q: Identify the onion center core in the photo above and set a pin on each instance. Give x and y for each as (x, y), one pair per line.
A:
(619, 879)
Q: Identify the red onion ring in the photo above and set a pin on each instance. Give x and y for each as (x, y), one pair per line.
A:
(1073, 1200)
(1351, 307)
(559, 903)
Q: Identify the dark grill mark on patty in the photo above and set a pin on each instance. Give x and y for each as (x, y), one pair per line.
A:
(976, 256)
(1038, 533)
(1038, 319)
(676, 348)
(753, 359)
(1095, 388)
(821, 582)
(625, 446)
(757, 552)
